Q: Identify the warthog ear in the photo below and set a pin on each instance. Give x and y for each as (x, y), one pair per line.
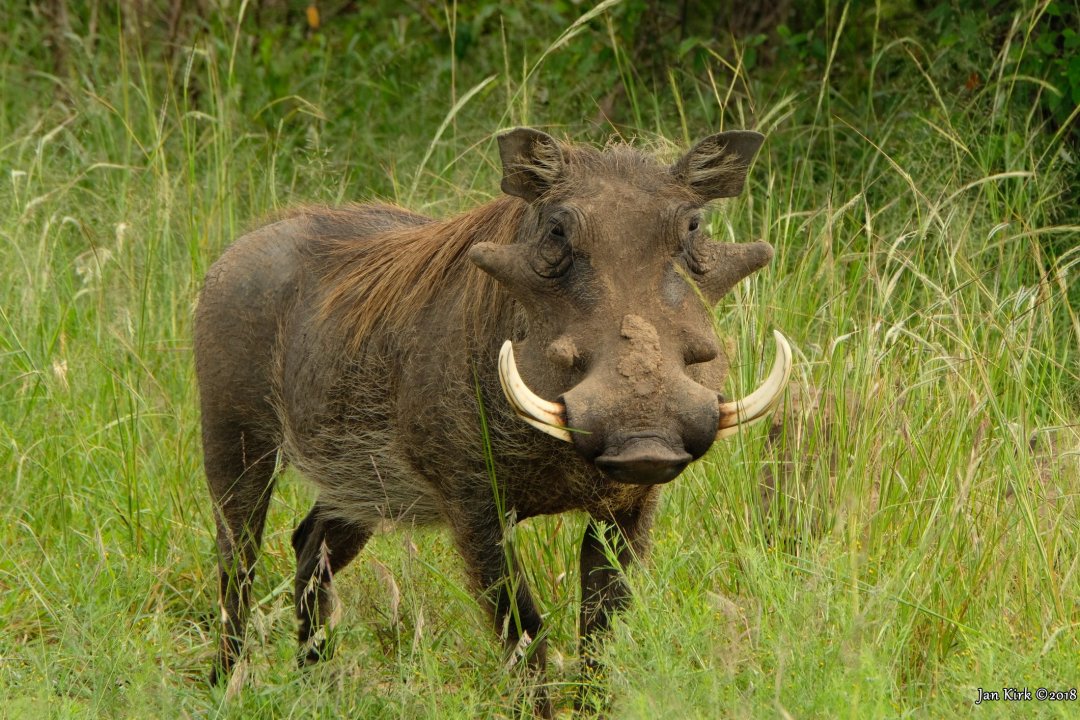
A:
(716, 166)
(531, 162)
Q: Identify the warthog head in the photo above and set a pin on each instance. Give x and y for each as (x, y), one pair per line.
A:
(618, 277)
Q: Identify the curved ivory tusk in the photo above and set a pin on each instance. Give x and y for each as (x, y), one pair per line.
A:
(544, 415)
(738, 414)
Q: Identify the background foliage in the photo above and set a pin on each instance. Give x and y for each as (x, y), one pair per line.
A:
(918, 182)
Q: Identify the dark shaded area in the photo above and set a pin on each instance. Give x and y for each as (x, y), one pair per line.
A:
(660, 34)
(660, 43)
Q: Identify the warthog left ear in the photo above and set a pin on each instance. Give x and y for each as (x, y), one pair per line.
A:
(531, 162)
(716, 166)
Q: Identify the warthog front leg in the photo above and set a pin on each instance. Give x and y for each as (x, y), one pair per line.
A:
(323, 547)
(504, 593)
(603, 586)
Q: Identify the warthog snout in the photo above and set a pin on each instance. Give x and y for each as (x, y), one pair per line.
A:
(643, 418)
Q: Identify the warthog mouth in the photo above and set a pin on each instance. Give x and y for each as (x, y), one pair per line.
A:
(644, 458)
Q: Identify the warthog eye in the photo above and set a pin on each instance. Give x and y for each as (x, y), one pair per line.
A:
(691, 243)
(554, 253)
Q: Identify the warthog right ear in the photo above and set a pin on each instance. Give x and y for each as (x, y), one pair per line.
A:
(716, 167)
(531, 162)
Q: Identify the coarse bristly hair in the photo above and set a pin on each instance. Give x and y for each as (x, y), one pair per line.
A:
(383, 280)
(643, 169)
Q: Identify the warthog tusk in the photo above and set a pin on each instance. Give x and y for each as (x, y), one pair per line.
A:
(544, 415)
(738, 414)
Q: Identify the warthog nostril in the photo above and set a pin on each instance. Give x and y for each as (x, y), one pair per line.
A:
(643, 461)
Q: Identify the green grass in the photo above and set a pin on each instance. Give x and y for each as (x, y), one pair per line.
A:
(923, 539)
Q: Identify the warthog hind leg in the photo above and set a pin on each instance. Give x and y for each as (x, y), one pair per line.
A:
(324, 546)
(240, 470)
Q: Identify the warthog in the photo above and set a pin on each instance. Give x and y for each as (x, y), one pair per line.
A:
(392, 359)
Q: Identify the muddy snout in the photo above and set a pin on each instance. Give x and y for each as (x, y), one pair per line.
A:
(642, 440)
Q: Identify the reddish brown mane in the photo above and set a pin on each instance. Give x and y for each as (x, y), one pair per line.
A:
(384, 279)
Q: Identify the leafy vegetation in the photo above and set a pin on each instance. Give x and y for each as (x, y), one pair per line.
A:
(918, 184)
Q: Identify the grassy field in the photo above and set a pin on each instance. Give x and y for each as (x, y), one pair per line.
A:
(924, 539)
